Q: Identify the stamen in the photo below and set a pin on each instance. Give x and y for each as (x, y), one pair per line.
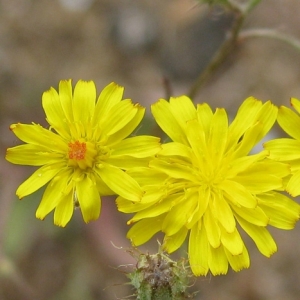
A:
(77, 150)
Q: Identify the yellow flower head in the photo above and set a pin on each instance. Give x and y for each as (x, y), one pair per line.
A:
(288, 150)
(206, 184)
(85, 151)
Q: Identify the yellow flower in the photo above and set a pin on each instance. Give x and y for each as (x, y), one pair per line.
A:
(288, 150)
(85, 151)
(204, 184)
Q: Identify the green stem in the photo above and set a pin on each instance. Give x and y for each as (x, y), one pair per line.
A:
(245, 8)
(270, 33)
(241, 10)
(221, 55)
(251, 5)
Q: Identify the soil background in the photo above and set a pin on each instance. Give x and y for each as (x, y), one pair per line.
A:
(142, 45)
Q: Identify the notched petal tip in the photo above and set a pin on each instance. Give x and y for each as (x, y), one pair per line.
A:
(60, 225)
(114, 85)
(18, 194)
(7, 153)
(40, 217)
(272, 252)
(293, 194)
(82, 81)
(139, 106)
(89, 217)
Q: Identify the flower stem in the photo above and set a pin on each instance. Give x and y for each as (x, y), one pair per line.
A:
(270, 33)
(221, 55)
(241, 10)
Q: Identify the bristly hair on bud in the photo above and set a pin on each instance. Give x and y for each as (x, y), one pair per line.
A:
(158, 277)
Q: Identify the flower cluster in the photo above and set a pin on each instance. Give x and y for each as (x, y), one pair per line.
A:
(205, 185)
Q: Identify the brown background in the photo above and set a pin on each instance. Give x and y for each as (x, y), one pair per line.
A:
(136, 44)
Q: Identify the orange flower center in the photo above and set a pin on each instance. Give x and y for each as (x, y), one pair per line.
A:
(82, 154)
(77, 150)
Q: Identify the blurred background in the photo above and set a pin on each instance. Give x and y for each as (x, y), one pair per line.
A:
(142, 45)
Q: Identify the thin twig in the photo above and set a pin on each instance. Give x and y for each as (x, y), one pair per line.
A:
(241, 10)
(270, 33)
(221, 55)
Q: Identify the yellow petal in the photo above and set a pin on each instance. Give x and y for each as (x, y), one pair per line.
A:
(245, 118)
(37, 135)
(178, 216)
(242, 163)
(128, 128)
(249, 140)
(127, 163)
(238, 262)
(32, 155)
(167, 121)
(204, 200)
(232, 241)
(201, 197)
(143, 231)
(217, 138)
(173, 242)
(55, 113)
(176, 149)
(130, 207)
(289, 122)
(261, 237)
(256, 125)
(183, 110)
(66, 99)
(53, 194)
(39, 178)
(120, 182)
(174, 170)
(109, 97)
(147, 177)
(197, 140)
(204, 116)
(198, 251)
(293, 186)
(254, 216)
(259, 182)
(237, 194)
(283, 149)
(282, 211)
(89, 199)
(223, 213)
(64, 210)
(138, 146)
(267, 116)
(218, 262)
(212, 229)
(158, 209)
(84, 99)
(296, 104)
(119, 117)
(267, 167)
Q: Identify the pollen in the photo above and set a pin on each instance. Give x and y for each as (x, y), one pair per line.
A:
(77, 150)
